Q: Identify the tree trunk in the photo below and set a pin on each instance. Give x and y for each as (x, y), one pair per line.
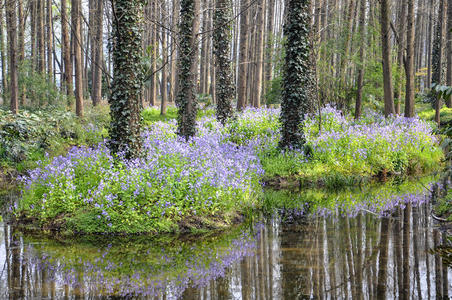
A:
(41, 36)
(2, 54)
(386, 58)
(164, 88)
(77, 39)
(66, 50)
(243, 56)
(174, 49)
(49, 40)
(188, 66)
(297, 75)
(449, 49)
(127, 82)
(98, 55)
(360, 81)
(259, 53)
(21, 51)
(11, 24)
(223, 70)
(409, 69)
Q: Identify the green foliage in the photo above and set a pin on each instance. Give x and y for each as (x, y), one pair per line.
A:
(27, 136)
(151, 115)
(345, 200)
(40, 91)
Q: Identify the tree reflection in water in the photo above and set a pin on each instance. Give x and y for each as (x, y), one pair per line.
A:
(363, 257)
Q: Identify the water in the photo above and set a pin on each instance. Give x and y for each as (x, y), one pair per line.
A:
(334, 257)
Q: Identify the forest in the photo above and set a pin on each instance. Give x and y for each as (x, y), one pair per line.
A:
(226, 149)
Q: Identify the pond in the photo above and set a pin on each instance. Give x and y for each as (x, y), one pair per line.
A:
(286, 256)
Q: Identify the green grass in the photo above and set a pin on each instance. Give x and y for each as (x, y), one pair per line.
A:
(429, 115)
(152, 114)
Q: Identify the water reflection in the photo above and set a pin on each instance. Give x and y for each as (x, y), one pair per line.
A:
(364, 257)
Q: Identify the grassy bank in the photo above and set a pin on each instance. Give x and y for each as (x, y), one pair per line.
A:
(216, 176)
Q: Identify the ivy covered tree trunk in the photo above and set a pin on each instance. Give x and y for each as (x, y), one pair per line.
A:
(124, 101)
(186, 101)
(221, 42)
(297, 76)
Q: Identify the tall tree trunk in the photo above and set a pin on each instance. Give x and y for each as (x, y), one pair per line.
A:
(21, 51)
(2, 54)
(449, 49)
(164, 87)
(269, 44)
(66, 49)
(77, 39)
(41, 36)
(11, 24)
(259, 53)
(386, 58)
(409, 69)
(188, 66)
(127, 83)
(360, 81)
(223, 70)
(401, 51)
(243, 55)
(297, 74)
(437, 55)
(49, 40)
(98, 54)
(174, 49)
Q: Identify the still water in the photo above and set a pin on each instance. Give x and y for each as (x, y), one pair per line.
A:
(334, 257)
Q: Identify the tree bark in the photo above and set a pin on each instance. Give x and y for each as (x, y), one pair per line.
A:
(409, 69)
(49, 40)
(223, 70)
(76, 29)
(66, 49)
(11, 24)
(98, 57)
(386, 58)
(360, 81)
(243, 55)
(259, 53)
(125, 98)
(188, 68)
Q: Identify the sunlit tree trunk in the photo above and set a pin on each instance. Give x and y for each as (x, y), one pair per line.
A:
(11, 24)
(243, 56)
(77, 39)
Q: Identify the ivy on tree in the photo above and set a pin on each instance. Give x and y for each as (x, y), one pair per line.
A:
(186, 101)
(298, 81)
(221, 41)
(125, 104)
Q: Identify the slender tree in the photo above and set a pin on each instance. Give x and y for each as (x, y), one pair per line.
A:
(243, 55)
(360, 81)
(98, 54)
(186, 101)
(11, 24)
(127, 78)
(77, 40)
(221, 42)
(386, 58)
(409, 69)
(297, 77)
(66, 49)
